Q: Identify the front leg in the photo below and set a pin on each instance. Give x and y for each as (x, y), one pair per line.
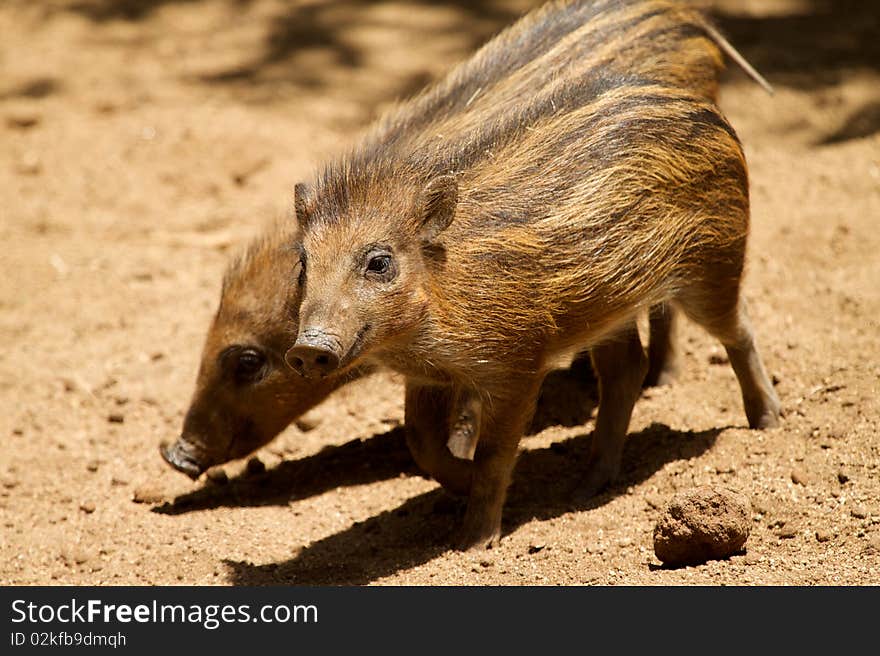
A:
(503, 422)
(429, 417)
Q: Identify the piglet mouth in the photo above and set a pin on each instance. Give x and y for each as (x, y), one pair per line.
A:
(356, 349)
(179, 455)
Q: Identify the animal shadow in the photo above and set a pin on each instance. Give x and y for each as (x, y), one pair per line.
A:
(568, 398)
(545, 486)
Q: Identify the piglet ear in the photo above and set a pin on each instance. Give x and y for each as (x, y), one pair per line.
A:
(439, 198)
(300, 194)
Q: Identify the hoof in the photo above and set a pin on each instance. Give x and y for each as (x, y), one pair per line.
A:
(477, 540)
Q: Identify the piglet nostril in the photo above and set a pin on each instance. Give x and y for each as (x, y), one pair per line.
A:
(311, 361)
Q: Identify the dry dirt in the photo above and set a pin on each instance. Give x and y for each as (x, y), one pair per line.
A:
(144, 141)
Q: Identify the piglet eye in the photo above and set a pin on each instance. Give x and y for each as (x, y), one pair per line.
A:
(248, 365)
(380, 264)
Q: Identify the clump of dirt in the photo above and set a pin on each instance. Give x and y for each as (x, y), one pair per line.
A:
(700, 524)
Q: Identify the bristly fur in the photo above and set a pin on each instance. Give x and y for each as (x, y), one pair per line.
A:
(594, 177)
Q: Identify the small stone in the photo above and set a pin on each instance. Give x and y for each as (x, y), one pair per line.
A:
(752, 559)
(873, 546)
(17, 431)
(859, 512)
(535, 548)
(87, 507)
(654, 500)
(823, 536)
(307, 423)
(799, 476)
(148, 493)
(93, 466)
(217, 475)
(118, 481)
(717, 358)
(787, 531)
(116, 418)
(701, 524)
(76, 555)
(10, 482)
(842, 477)
(255, 466)
(775, 379)
(763, 505)
(22, 119)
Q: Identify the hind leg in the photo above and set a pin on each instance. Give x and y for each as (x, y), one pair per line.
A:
(620, 365)
(729, 323)
(429, 416)
(662, 356)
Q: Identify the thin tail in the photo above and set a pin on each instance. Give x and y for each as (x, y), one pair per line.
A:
(734, 54)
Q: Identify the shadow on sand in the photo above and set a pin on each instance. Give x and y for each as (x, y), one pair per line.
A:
(545, 486)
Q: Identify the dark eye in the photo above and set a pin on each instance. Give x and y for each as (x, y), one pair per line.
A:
(299, 272)
(248, 365)
(380, 264)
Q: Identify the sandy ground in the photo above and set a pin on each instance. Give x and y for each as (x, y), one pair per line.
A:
(144, 141)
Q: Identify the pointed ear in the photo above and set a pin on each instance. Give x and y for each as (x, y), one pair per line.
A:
(439, 199)
(300, 192)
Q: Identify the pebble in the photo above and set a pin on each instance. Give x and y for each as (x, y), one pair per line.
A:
(217, 475)
(87, 507)
(10, 483)
(535, 548)
(752, 559)
(859, 512)
(654, 500)
(116, 418)
(701, 524)
(93, 466)
(76, 555)
(799, 476)
(763, 506)
(842, 477)
(22, 120)
(718, 358)
(306, 423)
(255, 466)
(787, 531)
(148, 493)
(823, 535)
